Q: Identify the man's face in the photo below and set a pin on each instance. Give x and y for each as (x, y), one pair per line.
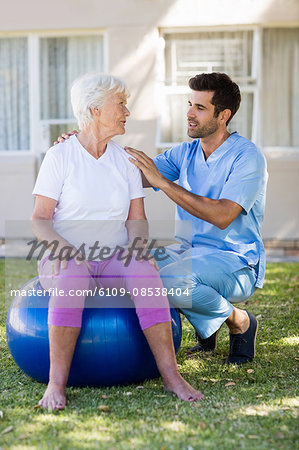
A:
(201, 120)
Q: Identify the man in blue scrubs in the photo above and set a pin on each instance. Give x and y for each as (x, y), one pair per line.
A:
(221, 191)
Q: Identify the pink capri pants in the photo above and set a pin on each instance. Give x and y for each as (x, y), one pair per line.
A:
(66, 309)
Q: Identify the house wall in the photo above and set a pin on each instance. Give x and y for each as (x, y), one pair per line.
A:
(132, 28)
(282, 206)
(17, 176)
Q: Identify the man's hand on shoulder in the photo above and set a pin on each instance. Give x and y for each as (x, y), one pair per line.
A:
(147, 166)
(65, 136)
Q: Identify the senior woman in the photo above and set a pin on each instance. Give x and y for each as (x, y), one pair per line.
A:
(84, 184)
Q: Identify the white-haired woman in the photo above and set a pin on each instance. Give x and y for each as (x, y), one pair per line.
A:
(90, 180)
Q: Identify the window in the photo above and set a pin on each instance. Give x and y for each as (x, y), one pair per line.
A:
(264, 63)
(280, 87)
(36, 108)
(187, 54)
(14, 94)
(61, 61)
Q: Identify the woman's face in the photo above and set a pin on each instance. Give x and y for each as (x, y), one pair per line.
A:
(113, 115)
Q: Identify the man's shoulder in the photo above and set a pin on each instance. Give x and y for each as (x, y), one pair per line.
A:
(187, 146)
(246, 154)
(245, 147)
(242, 142)
(184, 148)
(175, 155)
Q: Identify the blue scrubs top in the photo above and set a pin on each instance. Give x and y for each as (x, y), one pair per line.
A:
(235, 171)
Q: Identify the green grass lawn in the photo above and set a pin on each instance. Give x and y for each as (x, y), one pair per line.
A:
(251, 407)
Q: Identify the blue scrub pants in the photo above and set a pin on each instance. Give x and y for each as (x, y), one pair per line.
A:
(204, 286)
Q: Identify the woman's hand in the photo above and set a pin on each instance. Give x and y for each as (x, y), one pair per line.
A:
(141, 253)
(59, 263)
(65, 136)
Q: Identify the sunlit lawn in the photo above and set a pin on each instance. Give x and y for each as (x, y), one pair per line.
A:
(251, 407)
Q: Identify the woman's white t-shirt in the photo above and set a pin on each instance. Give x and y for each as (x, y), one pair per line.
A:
(95, 193)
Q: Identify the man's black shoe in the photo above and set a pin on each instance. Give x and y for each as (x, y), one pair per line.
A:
(204, 345)
(242, 346)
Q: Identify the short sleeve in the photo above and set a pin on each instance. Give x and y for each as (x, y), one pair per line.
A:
(247, 179)
(50, 178)
(135, 182)
(169, 162)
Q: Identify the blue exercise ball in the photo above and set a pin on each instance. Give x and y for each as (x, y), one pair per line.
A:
(111, 349)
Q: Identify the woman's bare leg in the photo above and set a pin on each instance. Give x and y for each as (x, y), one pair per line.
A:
(64, 321)
(159, 337)
(62, 345)
(154, 318)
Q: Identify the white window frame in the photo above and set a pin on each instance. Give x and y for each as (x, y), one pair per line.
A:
(279, 151)
(38, 126)
(256, 75)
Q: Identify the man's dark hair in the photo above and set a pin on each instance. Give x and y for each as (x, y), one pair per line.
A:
(226, 92)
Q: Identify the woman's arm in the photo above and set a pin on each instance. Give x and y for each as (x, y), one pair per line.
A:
(137, 211)
(42, 224)
(42, 221)
(137, 224)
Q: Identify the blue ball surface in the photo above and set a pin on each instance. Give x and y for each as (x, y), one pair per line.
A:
(111, 349)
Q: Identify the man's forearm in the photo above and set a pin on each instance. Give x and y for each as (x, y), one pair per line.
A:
(217, 212)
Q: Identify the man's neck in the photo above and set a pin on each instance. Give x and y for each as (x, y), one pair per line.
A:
(210, 143)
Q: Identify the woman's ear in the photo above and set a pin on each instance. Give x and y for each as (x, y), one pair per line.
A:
(95, 111)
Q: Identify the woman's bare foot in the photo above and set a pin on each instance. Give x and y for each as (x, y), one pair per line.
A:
(183, 390)
(54, 397)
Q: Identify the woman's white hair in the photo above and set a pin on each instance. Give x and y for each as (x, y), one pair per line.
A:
(91, 90)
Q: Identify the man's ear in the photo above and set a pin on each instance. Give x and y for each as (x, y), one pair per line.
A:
(225, 115)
